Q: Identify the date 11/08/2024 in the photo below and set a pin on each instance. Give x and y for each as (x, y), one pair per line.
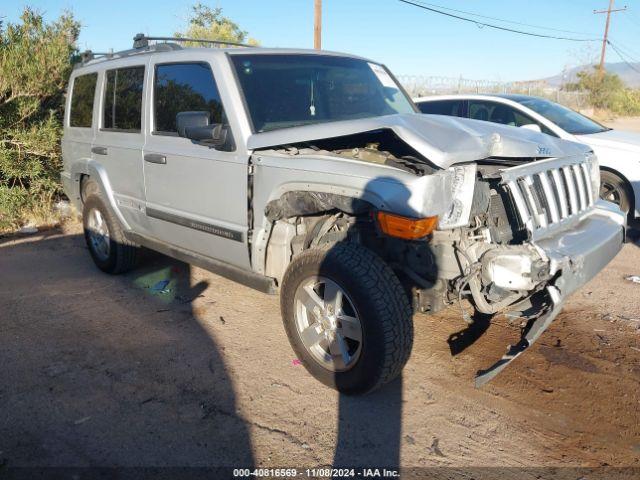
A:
(316, 472)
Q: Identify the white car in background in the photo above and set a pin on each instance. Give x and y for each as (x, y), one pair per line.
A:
(618, 151)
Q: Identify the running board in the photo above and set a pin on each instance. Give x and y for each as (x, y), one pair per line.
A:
(534, 330)
(250, 279)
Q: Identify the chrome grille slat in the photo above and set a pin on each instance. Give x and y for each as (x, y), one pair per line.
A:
(571, 186)
(520, 204)
(582, 194)
(587, 181)
(549, 193)
(539, 217)
(562, 194)
(550, 197)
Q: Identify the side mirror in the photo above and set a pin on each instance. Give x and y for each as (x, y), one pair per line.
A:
(532, 126)
(195, 126)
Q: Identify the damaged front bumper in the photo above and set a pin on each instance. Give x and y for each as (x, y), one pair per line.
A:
(574, 256)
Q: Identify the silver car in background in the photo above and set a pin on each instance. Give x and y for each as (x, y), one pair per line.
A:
(618, 151)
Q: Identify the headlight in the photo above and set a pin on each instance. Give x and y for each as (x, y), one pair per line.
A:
(594, 173)
(462, 186)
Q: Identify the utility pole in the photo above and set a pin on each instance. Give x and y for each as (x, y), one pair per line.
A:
(317, 25)
(608, 11)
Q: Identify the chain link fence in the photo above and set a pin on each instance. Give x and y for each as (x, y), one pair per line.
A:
(422, 86)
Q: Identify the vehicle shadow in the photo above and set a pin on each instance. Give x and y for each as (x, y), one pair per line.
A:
(370, 427)
(109, 371)
(633, 232)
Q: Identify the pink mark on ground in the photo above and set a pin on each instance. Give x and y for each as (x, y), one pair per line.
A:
(295, 362)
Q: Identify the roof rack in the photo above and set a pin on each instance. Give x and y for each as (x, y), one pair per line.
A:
(141, 44)
(142, 41)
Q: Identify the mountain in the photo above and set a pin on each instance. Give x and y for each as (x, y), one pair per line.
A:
(628, 75)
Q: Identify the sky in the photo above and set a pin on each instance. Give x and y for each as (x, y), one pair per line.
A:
(409, 40)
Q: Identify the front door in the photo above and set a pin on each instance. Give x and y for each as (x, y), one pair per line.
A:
(196, 195)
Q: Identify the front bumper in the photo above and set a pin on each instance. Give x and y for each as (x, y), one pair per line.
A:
(575, 256)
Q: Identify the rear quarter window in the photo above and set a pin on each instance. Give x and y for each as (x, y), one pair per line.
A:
(82, 95)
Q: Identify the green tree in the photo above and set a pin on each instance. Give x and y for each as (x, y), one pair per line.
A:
(35, 63)
(209, 24)
(608, 91)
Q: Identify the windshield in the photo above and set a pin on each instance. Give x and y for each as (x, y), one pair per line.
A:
(567, 119)
(289, 90)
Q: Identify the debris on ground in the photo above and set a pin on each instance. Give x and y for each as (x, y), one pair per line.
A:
(296, 362)
(633, 278)
(28, 229)
(161, 287)
(435, 447)
(81, 420)
(222, 320)
(64, 209)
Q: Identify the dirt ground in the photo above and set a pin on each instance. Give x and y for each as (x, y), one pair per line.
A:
(126, 371)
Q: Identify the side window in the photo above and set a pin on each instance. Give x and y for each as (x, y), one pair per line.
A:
(481, 110)
(504, 114)
(185, 87)
(524, 119)
(123, 99)
(82, 96)
(443, 107)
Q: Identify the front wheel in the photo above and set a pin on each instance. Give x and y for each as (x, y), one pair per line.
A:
(347, 317)
(614, 189)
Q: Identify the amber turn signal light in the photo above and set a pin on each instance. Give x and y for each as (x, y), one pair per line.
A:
(407, 228)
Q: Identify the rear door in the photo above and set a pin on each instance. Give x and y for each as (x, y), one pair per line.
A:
(196, 194)
(118, 142)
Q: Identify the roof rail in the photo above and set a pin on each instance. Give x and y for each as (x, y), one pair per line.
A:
(87, 56)
(141, 44)
(142, 41)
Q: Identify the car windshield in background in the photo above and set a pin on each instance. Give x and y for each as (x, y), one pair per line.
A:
(567, 119)
(290, 90)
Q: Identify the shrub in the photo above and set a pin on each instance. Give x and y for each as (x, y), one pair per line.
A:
(35, 63)
(608, 92)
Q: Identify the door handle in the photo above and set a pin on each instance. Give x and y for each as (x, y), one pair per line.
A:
(155, 158)
(99, 150)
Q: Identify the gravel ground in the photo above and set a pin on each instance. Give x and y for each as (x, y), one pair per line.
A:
(106, 370)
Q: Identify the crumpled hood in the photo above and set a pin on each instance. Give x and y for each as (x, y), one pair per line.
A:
(620, 139)
(442, 139)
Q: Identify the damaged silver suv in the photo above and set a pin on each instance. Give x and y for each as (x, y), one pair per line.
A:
(311, 174)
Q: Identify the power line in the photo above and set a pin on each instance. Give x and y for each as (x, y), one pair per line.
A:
(497, 27)
(500, 19)
(626, 50)
(630, 65)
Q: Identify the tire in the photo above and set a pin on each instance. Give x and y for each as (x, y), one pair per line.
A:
(371, 293)
(614, 189)
(115, 254)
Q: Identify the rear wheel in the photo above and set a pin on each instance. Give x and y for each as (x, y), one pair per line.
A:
(347, 317)
(109, 248)
(614, 189)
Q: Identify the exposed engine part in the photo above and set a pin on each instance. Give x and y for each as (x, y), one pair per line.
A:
(380, 146)
(513, 268)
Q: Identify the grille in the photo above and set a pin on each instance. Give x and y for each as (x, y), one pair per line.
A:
(549, 193)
